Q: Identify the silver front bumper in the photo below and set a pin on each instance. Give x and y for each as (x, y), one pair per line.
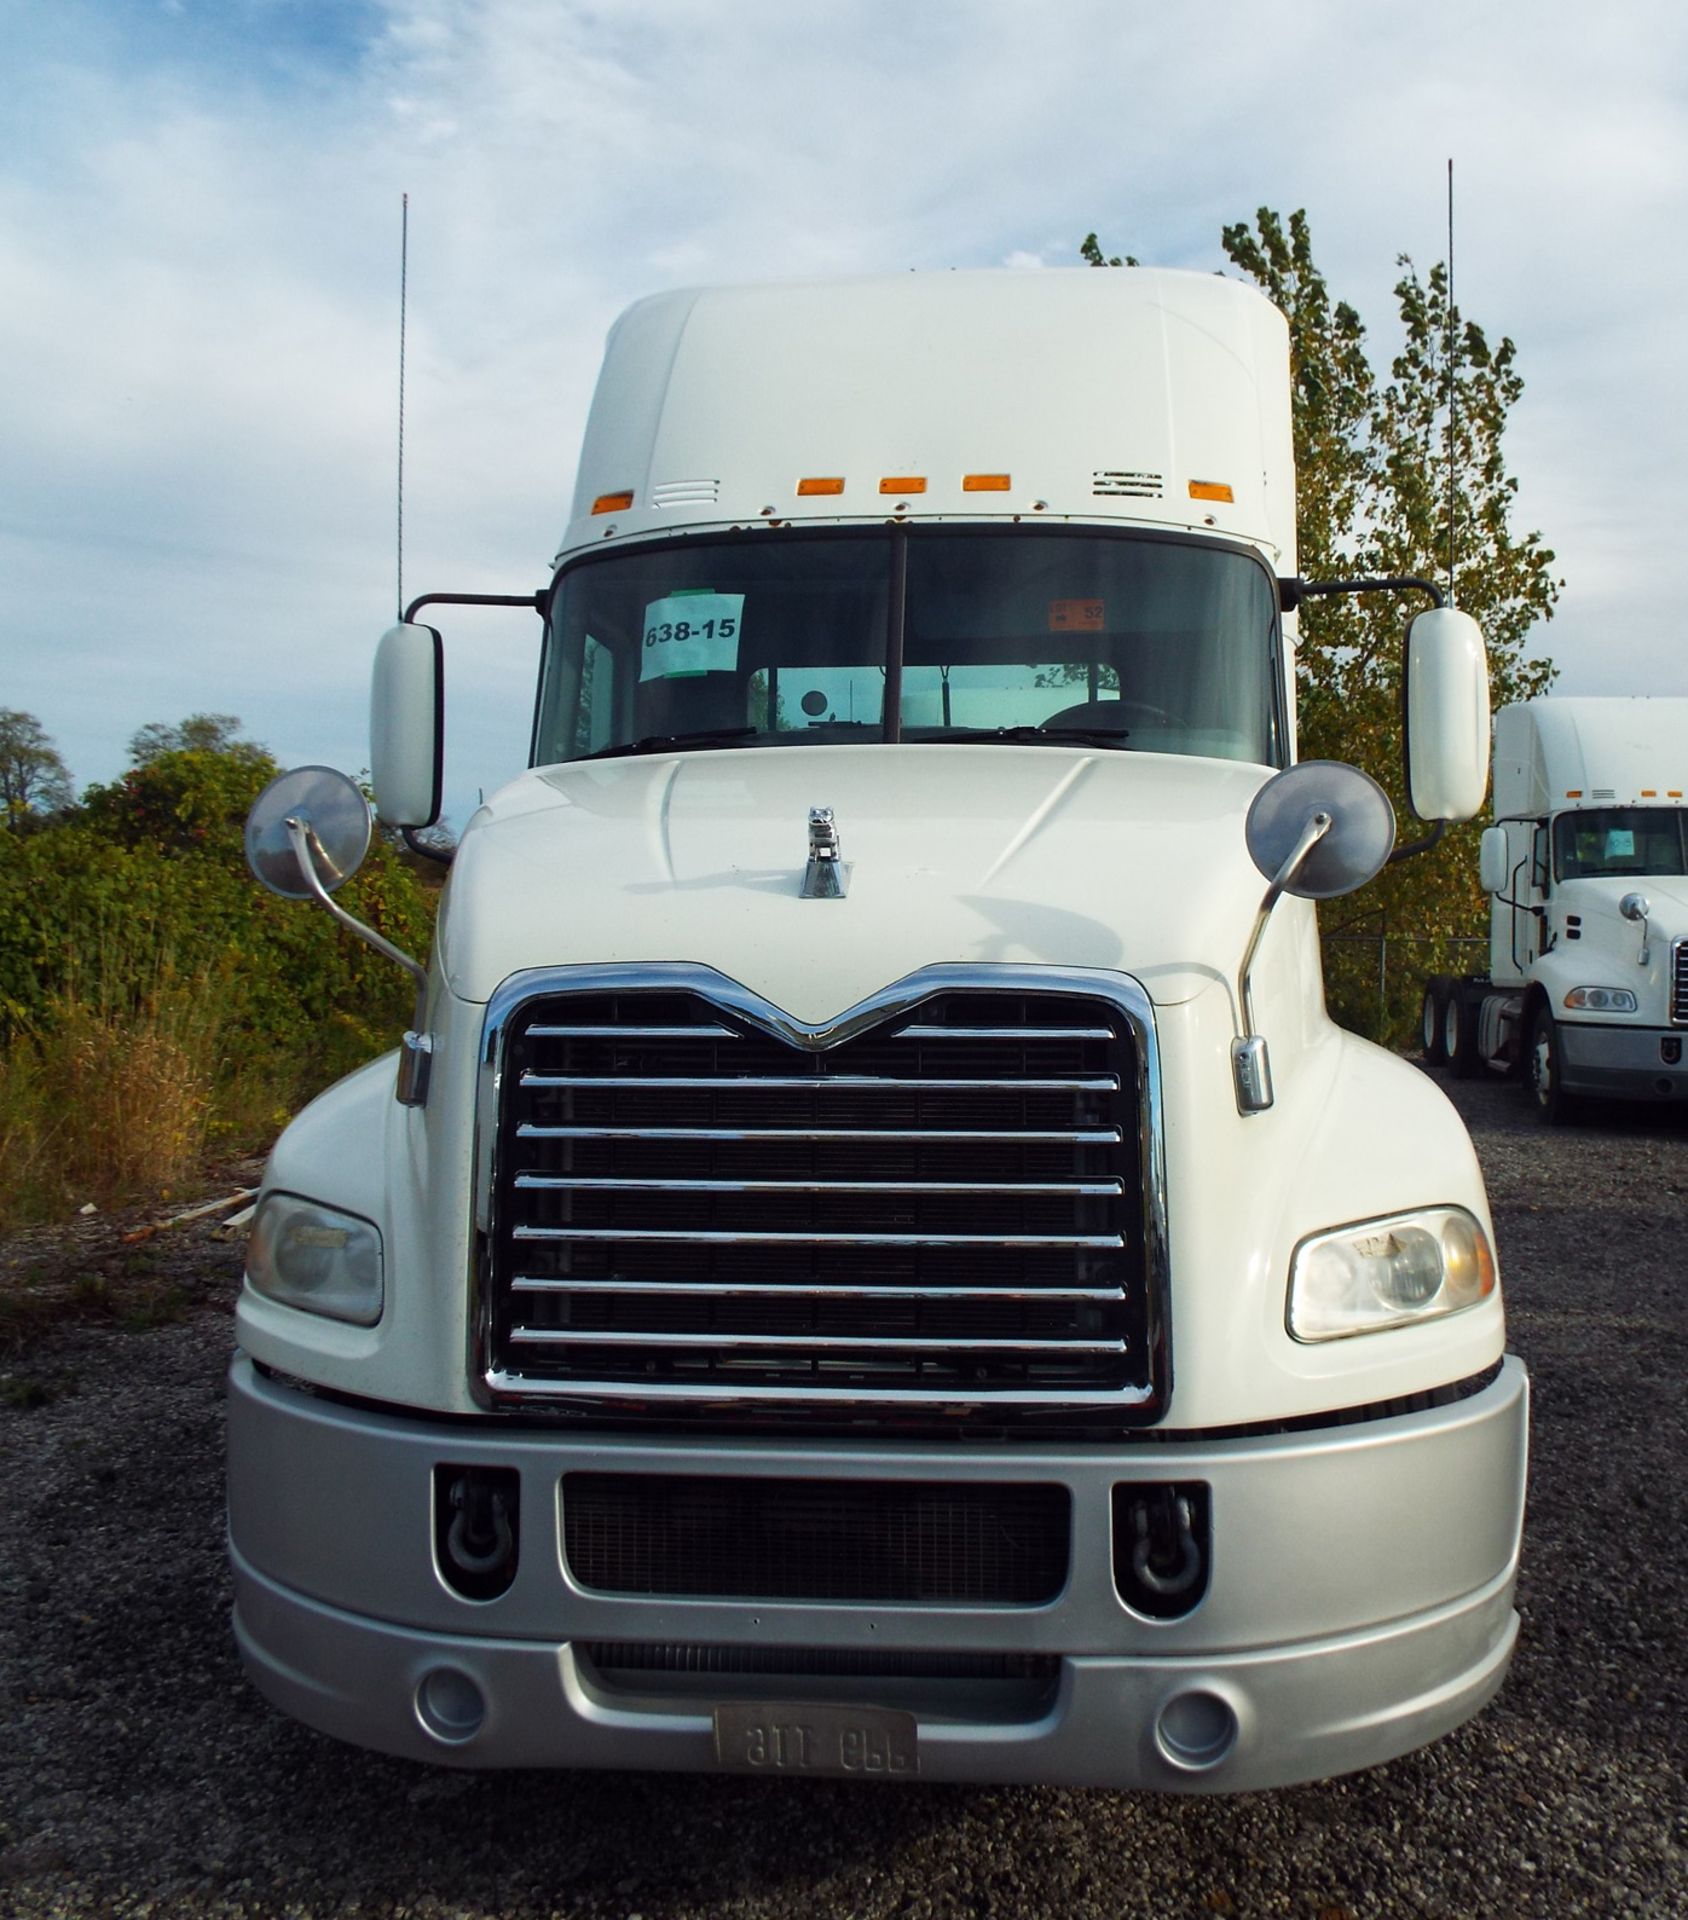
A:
(1359, 1604)
(1626, 1063)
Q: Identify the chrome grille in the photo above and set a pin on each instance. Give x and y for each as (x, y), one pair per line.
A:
(1679, 984)
(697, 1202)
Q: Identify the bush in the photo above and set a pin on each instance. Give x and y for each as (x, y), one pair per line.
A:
(136, 951)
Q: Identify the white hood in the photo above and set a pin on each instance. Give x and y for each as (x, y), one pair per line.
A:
(989, 855)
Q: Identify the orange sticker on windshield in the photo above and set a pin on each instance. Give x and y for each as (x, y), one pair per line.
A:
(1075, 616)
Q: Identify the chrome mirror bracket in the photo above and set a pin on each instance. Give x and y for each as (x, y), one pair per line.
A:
(417, 1050)
(1251, 1064)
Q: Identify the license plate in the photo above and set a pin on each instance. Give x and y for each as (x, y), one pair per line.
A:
(868, 1743)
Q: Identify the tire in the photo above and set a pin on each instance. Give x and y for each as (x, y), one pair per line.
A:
(1541, 1072)
(1432, 1021)
(1459, 1031)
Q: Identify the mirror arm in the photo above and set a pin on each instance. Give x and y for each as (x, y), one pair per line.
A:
(539, 602)
(1438, 828)
(1291, 592)
(306, 847)
(1318, 825)
(1251, 1067)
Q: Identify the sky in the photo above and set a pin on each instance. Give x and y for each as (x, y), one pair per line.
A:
(199, 283)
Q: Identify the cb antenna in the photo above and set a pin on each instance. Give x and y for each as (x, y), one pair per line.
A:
(404, 274)
(1453, 387)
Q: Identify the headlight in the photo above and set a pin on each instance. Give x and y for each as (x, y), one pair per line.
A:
(1388, 1273)
(315, 1257)
(1602, 999)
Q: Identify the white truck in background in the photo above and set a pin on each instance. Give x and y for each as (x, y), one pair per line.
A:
(873, 1259)
(1586, 866)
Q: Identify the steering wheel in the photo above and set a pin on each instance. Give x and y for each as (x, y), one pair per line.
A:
(1097, 714)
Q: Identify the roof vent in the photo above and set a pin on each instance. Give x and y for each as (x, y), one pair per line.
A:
(686, 493)
(1135, 486)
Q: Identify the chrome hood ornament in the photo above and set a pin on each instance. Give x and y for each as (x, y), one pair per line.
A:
(825, 877)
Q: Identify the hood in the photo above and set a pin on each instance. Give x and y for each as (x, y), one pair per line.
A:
(989, 855)
(1597, 898)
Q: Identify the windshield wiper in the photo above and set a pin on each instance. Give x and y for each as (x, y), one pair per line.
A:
(704, 737)
(970, 736)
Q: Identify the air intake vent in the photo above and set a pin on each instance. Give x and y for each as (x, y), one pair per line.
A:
(686, 493)
(907, 1541)
(1131, 486)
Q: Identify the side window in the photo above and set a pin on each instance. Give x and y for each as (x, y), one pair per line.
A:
(594, 726)
(1538, 859)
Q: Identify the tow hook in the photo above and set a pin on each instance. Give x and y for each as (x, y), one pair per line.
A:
(475, 1519)
(1161, 1547)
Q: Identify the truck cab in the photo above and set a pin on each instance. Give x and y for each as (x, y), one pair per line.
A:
(873, 1259)
(1586, 865)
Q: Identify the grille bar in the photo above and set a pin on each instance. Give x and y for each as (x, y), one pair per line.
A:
(553, 1183)
(691, 1236)
(819, 1342)
(1679, 984)
(1084, 1137)
(809, 1083)
(782, 1290)
(540, 1032)
(1003, 1033)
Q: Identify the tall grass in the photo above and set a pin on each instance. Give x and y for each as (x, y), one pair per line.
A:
(117, 1104)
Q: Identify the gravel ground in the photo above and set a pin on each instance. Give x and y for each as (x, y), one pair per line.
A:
(140, 1775)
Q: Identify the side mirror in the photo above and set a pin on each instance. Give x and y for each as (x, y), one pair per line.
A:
(406, 722)
(306, 836)
(1320, 829)
(1447, 715)
(1317, 830)
(1491, 860)
(1635, 906)
(331, 811)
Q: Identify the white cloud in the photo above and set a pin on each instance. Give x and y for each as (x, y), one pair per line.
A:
(200, 252)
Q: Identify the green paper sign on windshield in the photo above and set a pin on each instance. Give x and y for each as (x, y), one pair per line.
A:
(696, 631)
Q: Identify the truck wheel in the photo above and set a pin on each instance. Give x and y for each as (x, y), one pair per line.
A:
(1459, 1031)
(1541, 1072)
(1432, 1018)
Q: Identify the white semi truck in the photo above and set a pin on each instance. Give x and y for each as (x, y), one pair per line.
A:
(1586, 866)
(873, 1258)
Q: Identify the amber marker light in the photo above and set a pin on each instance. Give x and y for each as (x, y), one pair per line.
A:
(1573, 793)
(613, 502)
(985, 482)
(1211, 490)
(822, 483)
(903, 483)
(1649, 793)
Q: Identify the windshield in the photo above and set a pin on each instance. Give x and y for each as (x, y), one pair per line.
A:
(1619, 841)
(1083, 637)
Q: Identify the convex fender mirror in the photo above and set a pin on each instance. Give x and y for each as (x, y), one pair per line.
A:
(1351, 846)
(1316, 830)
(330, 808)
(1447, 715)
(406, 726)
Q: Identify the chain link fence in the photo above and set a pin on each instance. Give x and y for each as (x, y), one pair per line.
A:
(1375, 974)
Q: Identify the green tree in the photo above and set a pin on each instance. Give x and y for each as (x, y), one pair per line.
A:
(34, 781)
(198, 733)
(1090, 249)
(1379, 469)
